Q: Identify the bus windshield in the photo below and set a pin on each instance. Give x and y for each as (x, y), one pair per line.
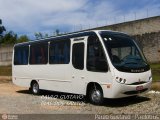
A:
(124, 53)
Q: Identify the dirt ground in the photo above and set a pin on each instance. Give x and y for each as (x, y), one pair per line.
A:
(18, 100)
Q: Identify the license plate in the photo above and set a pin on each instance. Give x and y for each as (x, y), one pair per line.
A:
(139, 88)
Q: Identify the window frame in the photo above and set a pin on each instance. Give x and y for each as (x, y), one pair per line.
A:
(21, 47)
(102, 50)
(39, 44)
(59, 41)
(83, 55)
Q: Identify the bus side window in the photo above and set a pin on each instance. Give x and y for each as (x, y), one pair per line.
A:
(59, 52)
(39, 53)
(21, 55)
(96, 60)
(78, 56)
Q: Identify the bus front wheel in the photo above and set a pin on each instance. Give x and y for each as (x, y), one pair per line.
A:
(96, 95)
(35, 88)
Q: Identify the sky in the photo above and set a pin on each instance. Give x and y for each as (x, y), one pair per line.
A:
(26, 17)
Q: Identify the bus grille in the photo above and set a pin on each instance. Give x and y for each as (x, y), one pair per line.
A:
(137, 83)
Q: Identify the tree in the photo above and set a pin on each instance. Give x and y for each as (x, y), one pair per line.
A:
(46, 35)
(57, 32)
(38, 35)
(23, 38)
(9, 38)
(2, 28)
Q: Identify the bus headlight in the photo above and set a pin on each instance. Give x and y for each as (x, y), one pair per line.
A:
(121, 80)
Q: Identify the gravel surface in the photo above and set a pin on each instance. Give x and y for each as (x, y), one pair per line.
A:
(18, 100)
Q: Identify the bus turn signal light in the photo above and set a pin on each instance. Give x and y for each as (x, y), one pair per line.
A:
(108, 85)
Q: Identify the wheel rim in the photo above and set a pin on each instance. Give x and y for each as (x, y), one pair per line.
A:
(35, 88)
(96, 96)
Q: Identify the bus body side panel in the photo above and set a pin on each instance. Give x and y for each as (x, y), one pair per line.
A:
(56, 78)
(49, 77)
(103, 79)
(20, 75)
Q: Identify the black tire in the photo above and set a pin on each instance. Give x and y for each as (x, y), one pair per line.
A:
(35, 88)
(96, 95)
(30, 90)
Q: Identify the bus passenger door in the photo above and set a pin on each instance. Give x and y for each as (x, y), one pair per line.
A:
(78, 65)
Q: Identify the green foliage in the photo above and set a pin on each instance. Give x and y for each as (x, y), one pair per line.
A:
(22, 38)
(155, 66)
(57, 32)
(46, 35)
(155, 71)
(2, 28)
(9, 38)
(38, 35)
(5, 71)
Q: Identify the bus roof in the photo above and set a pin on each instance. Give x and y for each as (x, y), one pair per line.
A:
(69, 35)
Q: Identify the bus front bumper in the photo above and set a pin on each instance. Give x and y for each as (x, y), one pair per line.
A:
(123, 90)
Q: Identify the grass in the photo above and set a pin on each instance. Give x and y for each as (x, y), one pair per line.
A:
(5, 71)
(155, 66)
(155, 86)
(155, 71)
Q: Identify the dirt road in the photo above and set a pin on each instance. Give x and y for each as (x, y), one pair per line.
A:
(18, 100)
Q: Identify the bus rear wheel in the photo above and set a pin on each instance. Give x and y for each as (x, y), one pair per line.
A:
(35, 88)
(96, 96)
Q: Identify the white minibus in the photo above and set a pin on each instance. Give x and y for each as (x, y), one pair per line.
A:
(98, 64)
